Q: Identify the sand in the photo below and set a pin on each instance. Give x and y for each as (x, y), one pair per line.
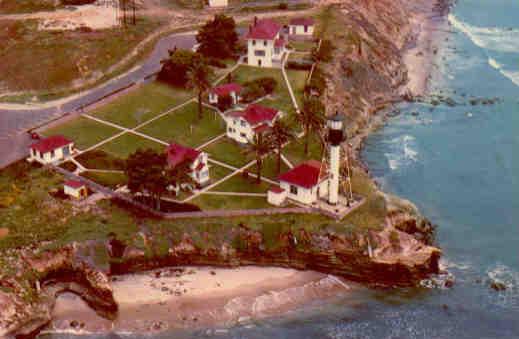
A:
(193, 297)
(420, 58)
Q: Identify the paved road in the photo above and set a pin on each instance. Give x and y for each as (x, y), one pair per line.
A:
(14, 142)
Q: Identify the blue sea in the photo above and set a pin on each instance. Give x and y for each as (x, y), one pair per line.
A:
(460, 165)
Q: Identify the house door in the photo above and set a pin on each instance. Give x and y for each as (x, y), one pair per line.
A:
(259, 63)
(66, 151)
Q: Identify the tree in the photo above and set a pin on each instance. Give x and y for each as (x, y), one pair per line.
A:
(259, 147)
(311, 117)
(198, 77)
(324, 53)
(280, 134)
(175, 68)
(146, 171)
(218, 37)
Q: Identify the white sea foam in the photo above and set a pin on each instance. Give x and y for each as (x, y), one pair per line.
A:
(512, 75)
(489, 38)
(403, 152)
(510, 278)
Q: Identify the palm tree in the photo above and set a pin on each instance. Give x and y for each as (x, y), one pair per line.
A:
(280, 134)
(198, 77)
(259, 146)
(311, 117)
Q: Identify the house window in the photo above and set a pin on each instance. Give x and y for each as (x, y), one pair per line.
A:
(277, 50)
(235, 121)
(243, 135)
(260, 53)
(52, 154)
(243, 124)
(265, 43)
(66, 151)
(293, 190)
(306, 29)
(253, 42)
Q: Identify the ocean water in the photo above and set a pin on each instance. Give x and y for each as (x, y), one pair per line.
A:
(460, 165)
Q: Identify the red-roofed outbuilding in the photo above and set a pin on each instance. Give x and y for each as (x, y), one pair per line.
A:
(232, 89)
(51, 149)
(306, 182)
(195, 160)
(302, 26)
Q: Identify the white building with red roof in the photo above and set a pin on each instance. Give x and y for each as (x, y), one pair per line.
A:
(51, 149)
(243, 125)
(265, 44)
(301, 26)
(197, 162)
(232, 90)
(305, 183)
(75, 189)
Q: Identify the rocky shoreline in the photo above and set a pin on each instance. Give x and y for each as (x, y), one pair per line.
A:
(368, 74)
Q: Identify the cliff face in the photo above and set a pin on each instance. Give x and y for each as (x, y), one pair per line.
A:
(371, 258)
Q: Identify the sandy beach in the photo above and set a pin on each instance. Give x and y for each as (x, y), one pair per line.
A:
(198, 297)
(420, 57)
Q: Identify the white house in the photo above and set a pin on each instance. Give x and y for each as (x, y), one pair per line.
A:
(196, 160)
(301, 26)
(242, 126)
(75, 189)
(305, 183)
(50, 150)
(232, 89)
(265, 45)
(218, 3)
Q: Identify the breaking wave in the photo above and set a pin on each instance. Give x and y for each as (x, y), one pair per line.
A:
(512, 75)
(403, 153)
(490, 38)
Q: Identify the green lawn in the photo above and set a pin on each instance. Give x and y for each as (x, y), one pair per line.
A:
(281, 97)
(183, 126)
(97, 159)
(294, 151)
(229, 152)
(142, 104)
(217, 172)
(298, 81)
(127, 144)
(303, 45)
(112, 180)
(84, 132)
(269, 168)
(216, 202)
(238, 183)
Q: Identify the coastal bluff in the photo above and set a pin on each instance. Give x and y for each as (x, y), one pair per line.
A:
(389, 258)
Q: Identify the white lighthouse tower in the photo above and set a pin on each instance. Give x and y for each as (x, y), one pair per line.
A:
(335, 138)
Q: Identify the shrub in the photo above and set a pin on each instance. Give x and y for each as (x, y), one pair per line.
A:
(325, 52)
(216, 63)
(224, 103)
(253, 91)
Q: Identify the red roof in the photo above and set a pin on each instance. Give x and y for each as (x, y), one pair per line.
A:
(177, 154)
(276, 189)
(226, 89)
(261, 128)
(255, 114)
(266, 29)
(279, 42)
(307, 175)
(302, 22)
(74, 184)
(51, 143)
